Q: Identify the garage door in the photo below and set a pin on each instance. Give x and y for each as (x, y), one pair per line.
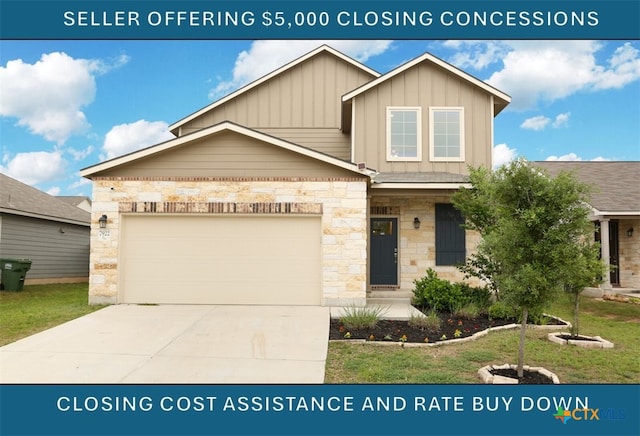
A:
(240, 259)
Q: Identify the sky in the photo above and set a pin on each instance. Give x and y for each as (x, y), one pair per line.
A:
(68, 105)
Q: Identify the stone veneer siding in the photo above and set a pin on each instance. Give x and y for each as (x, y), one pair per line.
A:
(342, 203)
(417, 247)
(629, 251)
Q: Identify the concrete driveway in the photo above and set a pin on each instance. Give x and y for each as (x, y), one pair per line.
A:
(176, 344)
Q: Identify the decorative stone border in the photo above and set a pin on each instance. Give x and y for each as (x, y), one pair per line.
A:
(473, 337)
(485, 374)
(594, 342)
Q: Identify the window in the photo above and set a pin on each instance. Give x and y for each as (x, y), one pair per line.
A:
(446, 134)
(450, 235)
(404, 142)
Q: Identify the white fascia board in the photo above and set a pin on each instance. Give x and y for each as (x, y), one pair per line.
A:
(267, 77)
(421, 185)
(427, 56)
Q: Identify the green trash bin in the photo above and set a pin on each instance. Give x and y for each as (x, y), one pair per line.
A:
(13, 273)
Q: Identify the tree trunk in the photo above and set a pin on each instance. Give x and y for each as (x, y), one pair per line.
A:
(576, 308)
(523, 329)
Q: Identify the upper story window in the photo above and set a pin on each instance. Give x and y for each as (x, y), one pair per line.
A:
(404, 138)
(446, 142)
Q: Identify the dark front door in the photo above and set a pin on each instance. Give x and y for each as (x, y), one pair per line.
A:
(614, 253)
(384, 251)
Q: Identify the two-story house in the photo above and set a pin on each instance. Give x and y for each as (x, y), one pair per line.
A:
(311, 186)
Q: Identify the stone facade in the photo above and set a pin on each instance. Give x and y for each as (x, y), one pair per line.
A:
(342, 203)
(417, 246)
(629, 251)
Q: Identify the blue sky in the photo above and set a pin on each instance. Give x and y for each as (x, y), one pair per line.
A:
(66, 105)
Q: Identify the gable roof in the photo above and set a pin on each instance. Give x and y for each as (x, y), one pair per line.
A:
(616, 184)
(16, 198)
(322, 49)
(93, 171)
(501, 100)
(73, 200)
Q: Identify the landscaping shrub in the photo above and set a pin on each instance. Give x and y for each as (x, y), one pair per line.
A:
(430, 322)
(444, 296)
(468, 311)
(500, 310)
(361, 317)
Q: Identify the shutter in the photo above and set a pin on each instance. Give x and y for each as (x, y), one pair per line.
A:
(450, 235)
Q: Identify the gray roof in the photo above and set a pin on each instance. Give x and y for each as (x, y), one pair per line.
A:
(19, 199)
(431, 177)
(73, 200)
(616, 184)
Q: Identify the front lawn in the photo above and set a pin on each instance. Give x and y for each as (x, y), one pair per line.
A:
(459, 363)
(39, 307)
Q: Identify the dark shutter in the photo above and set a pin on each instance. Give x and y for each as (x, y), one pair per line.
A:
(450, 235)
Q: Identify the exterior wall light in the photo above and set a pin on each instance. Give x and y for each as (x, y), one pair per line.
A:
(416, 223)
(103, 222)
(630, 232)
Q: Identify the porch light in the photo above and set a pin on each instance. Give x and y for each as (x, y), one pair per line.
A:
(416, 223)
(103, 222)
(630, 232)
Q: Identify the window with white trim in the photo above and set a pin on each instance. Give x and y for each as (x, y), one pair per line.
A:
(404, 138)
(446, 137)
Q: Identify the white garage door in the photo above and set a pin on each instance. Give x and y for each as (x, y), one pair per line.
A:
(240, 259)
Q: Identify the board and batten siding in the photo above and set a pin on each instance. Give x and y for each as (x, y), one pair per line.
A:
(305, 98)
(56, 249)
(425, 85)
(227, 154)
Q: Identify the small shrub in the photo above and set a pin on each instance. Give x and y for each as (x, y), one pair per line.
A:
(361, 317)
(468, 311)
(430, 322)
(500, 310)
(444, 296)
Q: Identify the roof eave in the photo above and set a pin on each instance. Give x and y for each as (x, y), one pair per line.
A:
(502, 99)
(428, 186)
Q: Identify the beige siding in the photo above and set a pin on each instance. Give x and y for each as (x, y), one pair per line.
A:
(227, 154)
(308, 96)
(329, 141)
(423, 86)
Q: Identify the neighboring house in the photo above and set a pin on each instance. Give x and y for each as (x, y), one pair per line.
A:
(54, 235)
(615, 201)
(82, 202)
(313, 185)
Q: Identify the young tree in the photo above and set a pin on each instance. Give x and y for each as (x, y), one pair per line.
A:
(531, 226)
(583, 269)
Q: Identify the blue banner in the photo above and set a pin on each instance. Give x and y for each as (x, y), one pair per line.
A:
(319, 409)
(327, 19)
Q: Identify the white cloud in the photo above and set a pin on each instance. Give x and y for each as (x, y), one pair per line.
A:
(561, 120)
(536, 72)
(54, 190)
(80, 183)
(574, 157)
(125, 138)
(502, 154)
(35, 167)
(476, 54)
(265, 56)
(541, 122)
(80, 154)
(47, 97)
(535, 123)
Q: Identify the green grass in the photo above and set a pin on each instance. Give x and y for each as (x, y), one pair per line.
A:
(614, 321)
(39, 307)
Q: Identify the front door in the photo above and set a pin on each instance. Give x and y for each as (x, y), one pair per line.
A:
(384, 251)
(614, 253)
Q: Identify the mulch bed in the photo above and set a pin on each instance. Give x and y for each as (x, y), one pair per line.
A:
(451, 327)
(528, 377)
